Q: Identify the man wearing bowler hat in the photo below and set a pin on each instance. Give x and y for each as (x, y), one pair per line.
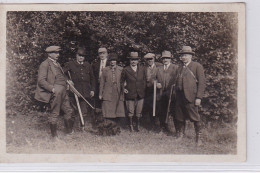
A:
(190, 88)
(151, 71)
(83, 78)
(166, 76)
(51, 88)
(133, 80)
(98, 67)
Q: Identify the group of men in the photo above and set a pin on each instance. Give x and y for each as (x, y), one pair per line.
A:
(158, 89)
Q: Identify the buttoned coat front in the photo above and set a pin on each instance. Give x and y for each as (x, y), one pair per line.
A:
(106, 83)
(82, 77)
(135, 82)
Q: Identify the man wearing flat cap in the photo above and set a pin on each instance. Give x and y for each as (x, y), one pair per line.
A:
(51, 88)
(151, 71)
(133, 80)
(166, 77)
(98, 67)
(83, 78)
(190, 88)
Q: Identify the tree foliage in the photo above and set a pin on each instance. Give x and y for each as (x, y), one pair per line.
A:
(213, 36)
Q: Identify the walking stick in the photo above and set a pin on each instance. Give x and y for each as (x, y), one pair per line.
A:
(79, 109)
(154, 97)
(169, 105)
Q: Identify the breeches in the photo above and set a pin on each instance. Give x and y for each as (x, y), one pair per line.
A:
(135, 107)
(184, 109)
(59, 101)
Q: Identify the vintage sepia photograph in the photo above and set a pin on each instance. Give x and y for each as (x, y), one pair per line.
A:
(158, 80)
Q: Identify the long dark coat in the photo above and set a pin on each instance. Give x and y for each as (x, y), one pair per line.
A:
(135, 82)
(82, 77)
(96, 67)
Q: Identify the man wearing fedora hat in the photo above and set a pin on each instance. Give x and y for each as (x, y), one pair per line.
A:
(133, 80)
(83, 78)
(190, 86)
(51, 88)
(151, 72)
(166, 77)
(98, 67)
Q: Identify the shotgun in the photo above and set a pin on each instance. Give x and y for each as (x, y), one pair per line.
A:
(169, 105)
(78, 105)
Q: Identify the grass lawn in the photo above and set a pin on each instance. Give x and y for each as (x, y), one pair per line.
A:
(31, 134)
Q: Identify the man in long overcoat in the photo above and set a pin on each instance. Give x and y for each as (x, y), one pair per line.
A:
(51, 88)
(82, 76)
(133, 80)
(166, 76)
(98, 67)
(190, 88)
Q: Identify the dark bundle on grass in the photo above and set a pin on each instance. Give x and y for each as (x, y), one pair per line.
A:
(105, 127)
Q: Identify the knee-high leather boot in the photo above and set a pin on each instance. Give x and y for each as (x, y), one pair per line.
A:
(53, 128)
(138, 124)
(197, 126)
(131, 124)
(68, 127)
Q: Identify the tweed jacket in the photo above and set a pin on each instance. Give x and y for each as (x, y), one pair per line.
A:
(153, 73)
(135, 82)
(106, 83)
(193, 86)
(167, 77)
(45, 82)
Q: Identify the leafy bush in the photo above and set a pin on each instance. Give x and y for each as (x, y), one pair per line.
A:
(212, 35)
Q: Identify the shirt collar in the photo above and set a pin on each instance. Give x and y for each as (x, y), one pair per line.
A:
(52, 60)
(133, 67)
(80, 62)
(187, 64)
(152, 66)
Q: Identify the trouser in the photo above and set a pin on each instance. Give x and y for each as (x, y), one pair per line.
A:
(148, 106)
(135, 107)
(60, 101)
(186, 110)
(163, 108)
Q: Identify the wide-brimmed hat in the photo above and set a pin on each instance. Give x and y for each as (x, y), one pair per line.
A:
(102, 49)
(133, 55)
(149, 56)
(166, 54)
(113, 57)
(51, 49)
(186, 50)
(82, 51)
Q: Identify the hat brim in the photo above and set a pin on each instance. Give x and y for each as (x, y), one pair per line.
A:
(191, 53)
(166, 57)
(133, 57)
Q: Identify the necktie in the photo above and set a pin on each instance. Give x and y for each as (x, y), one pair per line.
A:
(165, 67)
